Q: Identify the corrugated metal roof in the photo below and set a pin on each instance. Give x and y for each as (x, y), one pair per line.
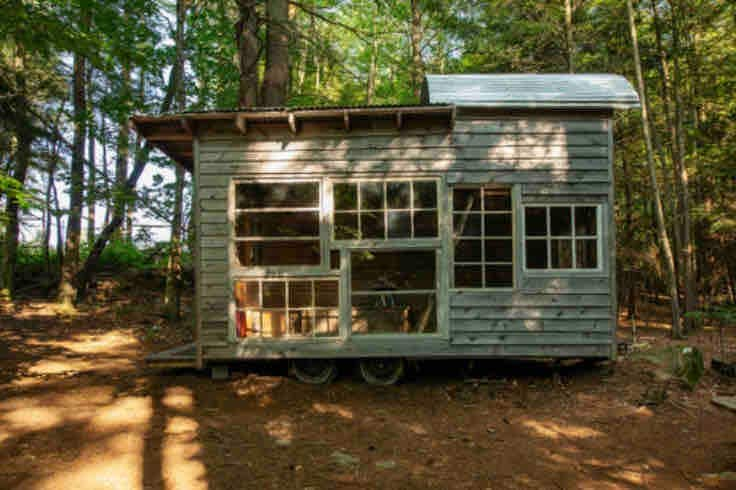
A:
(304, 108)
(530, 91)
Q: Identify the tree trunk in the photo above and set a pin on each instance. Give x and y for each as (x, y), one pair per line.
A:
(172, 294)
(24, 133)
(121, 160)
(105, 170)
(70, 264)
(127, 188)
(569, 37)
(417, 65)
(246, 37)
(372, 68)
(92, 170)
(276, 75)
(661, 226)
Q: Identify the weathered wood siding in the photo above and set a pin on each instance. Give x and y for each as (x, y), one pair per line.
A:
(549, 160)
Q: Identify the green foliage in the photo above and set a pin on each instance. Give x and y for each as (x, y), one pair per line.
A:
(122, 255)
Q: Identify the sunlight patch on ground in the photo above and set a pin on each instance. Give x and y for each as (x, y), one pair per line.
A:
(333, 409)
(258, 388)
(552, 430)
(56, 365)
(178, 398)
(181, 467)
(280, 429)
(105, 343)
(124, 412)
(33, 419)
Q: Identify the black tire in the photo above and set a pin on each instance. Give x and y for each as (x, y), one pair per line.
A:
(382, 371)
(314, 371)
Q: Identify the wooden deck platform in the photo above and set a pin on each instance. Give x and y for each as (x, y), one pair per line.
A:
(183, 356)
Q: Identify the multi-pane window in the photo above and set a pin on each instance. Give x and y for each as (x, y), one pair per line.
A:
(561, 237)
(274, 308)
(381, 210)
(393, 291)
(277, 224)
(482, 222)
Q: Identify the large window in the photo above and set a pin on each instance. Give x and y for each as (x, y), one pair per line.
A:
(562, 237)
(275, 308)
(277, 224)
(393, 291)
(381, 210)
(482, 222)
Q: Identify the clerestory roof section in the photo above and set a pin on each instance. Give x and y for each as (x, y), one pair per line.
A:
(529, 91)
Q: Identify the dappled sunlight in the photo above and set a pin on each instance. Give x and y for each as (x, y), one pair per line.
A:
(281, 429)
(333, 409)
(181, 466)
(553, 430)
(178, 398)
(106, 343)
(258, 388)
(122, 413)
(32, 419)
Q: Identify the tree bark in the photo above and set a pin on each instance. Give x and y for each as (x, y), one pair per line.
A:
(121, 159)
(417, 65)
(92, 170)
(172, 294)
(24, 133)
(70, 264)
(569, 37)
(661, 225)
(246, 37)
(276, 75)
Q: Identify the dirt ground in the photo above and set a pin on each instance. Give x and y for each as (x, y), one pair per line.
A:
(78, 409)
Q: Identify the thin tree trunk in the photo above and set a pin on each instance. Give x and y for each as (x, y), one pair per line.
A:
(70, 265)
(105, 169)
(417, 65)
(172, 294)
(92, 170)
(569, 37)
(246, 37)
(121, 160)
(661, 226)
(276, 75)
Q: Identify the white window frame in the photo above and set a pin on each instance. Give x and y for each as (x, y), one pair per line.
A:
(287, 309)
(387, 241)
(237, 270)
(482, 213)
(573, 237)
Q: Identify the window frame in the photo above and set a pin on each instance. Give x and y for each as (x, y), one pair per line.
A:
(237, 270)
(482, 213)
(387, 242)
(547, 238)
(313, 309)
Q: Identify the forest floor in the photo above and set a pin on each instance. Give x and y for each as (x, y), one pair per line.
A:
(78, 409)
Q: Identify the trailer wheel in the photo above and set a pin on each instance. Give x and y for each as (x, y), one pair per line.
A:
(314, 371)
(382, 371)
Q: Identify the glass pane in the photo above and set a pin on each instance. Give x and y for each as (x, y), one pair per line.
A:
(398, 194)
(346, 226)
(468, 276)
(466, 224)
(466, 199)
(586, 254)
(425, 224)
(499, 276)
(394, 313)
(300, 294)
(372, 225)
(499, 250)
(498, 224)
(345, 195)
(467, 251)
(274, 294)
(326, 293)
(536, 254)
(561, 251)
(334, 259)
(273, 323)
(277, 224)
(585, 221)
(371, 195)
(535, 221)
(560, 221)
(278, 253)
(277, 195)
(496, 199)
(247, 323)
(246, 294)
(392, 270)
(301, 323)
(399, 224)
(425, 194)
(327, 323)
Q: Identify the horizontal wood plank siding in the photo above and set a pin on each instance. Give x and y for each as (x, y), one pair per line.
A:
(551, 160)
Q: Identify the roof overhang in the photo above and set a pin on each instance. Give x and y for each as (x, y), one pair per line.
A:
(174, 134)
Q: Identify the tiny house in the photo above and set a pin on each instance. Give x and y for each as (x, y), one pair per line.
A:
(476, 224)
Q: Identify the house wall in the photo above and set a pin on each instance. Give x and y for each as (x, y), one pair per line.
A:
(554, 158)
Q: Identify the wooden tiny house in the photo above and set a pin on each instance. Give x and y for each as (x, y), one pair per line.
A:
(478, 224)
